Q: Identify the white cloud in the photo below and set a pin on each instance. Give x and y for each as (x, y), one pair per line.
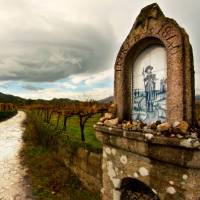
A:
(65, 85)
(3, 83)
(77, 79)
(99, 77)
(92, 79)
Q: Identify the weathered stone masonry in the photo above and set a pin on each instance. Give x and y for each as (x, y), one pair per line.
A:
(169, 166)
(87, 166)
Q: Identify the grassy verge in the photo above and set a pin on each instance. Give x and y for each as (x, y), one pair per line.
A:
(48, 176)
(7, 114)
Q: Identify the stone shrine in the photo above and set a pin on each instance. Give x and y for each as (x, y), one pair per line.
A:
(152, 29)
(150, 150)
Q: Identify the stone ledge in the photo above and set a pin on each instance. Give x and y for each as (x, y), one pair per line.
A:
(140, 136)
(169, 150)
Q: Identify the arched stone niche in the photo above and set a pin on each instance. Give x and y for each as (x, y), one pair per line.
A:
(153, 28)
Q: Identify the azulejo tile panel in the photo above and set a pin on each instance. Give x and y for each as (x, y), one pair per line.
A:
(150, 85)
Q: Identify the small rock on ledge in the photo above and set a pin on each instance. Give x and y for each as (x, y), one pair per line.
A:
(181, 127)
(163, 127)
(111, 122)
(108, 115)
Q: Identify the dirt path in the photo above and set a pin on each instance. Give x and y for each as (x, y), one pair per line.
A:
(12, 182)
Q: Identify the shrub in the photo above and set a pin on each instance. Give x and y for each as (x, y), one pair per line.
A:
(7, 114)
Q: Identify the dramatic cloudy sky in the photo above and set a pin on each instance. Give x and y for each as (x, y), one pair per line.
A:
(67, 48)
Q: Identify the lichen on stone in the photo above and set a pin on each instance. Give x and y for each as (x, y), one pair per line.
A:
(171, 182)
(148, 136)
(190, 143)
(123, 159)
(111, 171)
(136, 175)
(113, 152)
(171, 190)
(116, 195)
(143, 171)
(185, 176)
(154, 191)
(107, 150)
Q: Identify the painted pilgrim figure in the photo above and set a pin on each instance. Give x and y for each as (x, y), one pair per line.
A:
(149, 83)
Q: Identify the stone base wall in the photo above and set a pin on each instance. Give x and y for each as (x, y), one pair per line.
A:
(168, 167)
(87, 166)
(169, 182)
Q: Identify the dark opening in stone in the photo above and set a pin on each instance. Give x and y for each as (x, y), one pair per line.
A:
(133, 189)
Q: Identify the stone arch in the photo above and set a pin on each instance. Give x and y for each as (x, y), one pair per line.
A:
(135, 189)
(152, 27)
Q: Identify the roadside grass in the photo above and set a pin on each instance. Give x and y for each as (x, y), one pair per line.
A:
(4, 115)
(49, 178)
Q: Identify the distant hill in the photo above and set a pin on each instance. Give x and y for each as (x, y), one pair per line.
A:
(7, 98)
(63, 101)
(107, 99)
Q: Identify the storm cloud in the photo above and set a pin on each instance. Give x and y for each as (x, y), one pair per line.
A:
(64, 48)
(49, 55)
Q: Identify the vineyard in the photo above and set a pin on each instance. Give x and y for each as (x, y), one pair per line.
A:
(74, 121)
(53, 135)
(7, 110)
